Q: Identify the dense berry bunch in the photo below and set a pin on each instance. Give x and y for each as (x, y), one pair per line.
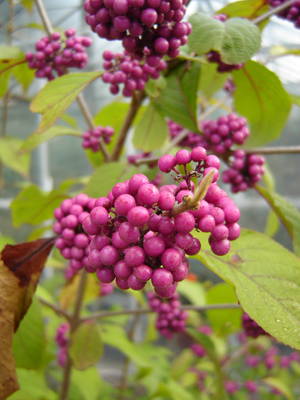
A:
(215, 57)
(138, 235)
(291, 13)
(92, 137)
(54, 55)
(245, 171)
(146, 27)
(170, 318)
(73, 241)
(62, 339)
(191, 140)
(132, 73)
(220, 135)
(251, 328)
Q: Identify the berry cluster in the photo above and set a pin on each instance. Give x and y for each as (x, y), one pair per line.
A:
(55, 55)
(251, 328)
(197, 348)
(245, 171)
(291, 13)
(191, 140)
(136, 235)
(132, 73)
(62, 339)
(215, 57)
(92, 137)
(72, 241)
(220, 135)
(170, 318)
(146, 27)
(229, 86)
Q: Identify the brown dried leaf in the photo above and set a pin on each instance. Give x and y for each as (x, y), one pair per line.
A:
(20, 269)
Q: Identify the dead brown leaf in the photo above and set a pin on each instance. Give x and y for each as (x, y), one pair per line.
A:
(20, 269)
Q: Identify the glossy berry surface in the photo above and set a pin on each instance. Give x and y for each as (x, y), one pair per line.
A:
(91, 138)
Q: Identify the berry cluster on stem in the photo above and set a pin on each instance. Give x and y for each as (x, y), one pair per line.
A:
(62, 340)
(55, 54)
(291, 13)
(91, 138)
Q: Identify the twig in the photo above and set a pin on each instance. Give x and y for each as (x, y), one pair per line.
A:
(80, 99)
(55, 308)
(275, 150)
(74, 322)
(134, 107)
(273, 11)
(107, 314)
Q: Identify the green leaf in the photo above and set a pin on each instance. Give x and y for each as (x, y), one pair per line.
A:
(272, 224)
(24, 75)
(266, 277)
(112, 114)
(223, 322)
(151, 132)
(90, 383)
(71, 121)
(28, 4)
(244, 8)
(276, 383)
(211, 80)
(29, 342)
(143, 354)
(86, 345)
(37, 138)
(178, 100)
(53, 100)
(261, 98)
(193, 291)
(154, 87)
(286, 212)
(33, 386)
(32, 206)
(10, 155)
(207, 33)
(105, 176)
(10, 52)
(176, 391)
(4, 240)
(241, 41)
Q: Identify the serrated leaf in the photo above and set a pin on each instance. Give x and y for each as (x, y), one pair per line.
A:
(105, 176)
(37, 138)
(266, 277)
(86, 345)
(53, 100)
(286, 212)
(32, 206)
(261, 98)
(151, 132)
(29, 343)
(240, 42)
(11, 157)
(178, 101)
(207, 33)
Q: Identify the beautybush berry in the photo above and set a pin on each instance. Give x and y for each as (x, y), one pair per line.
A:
(55, 54)
(251, 328)
(170, 318)
(245, 170)
(150, 29)
(72, 241)
(62, 340)
(219, 136)
(191, 140)
(92, 137)
(128, 71)
(291, 13)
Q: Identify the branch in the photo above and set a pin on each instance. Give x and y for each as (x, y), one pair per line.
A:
(275, 150)
(80, 99)
(273, 11)
(74, 322)
(107, 314)
(134, 107)
(55, 308)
